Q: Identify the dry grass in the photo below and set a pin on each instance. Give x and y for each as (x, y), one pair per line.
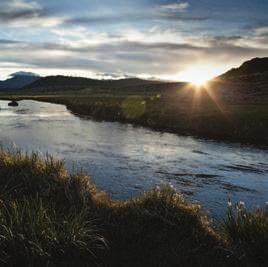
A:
(49, 217)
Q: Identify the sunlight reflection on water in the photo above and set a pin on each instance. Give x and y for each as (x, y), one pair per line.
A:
(125, 160)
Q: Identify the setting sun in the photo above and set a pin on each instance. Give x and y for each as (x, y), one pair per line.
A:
(199, 81)
(199, 74)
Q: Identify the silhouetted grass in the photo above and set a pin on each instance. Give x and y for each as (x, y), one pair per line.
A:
(49, 217)
(248, 233)
(43, 213)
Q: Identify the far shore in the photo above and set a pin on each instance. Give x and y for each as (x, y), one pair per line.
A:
(240, 123)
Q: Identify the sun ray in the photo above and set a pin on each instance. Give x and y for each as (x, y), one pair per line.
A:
(198, 74)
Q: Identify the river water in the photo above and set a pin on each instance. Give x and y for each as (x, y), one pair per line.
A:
(125, 160)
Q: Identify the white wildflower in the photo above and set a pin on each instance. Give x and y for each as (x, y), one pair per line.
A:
(241, 205)
(171, 186)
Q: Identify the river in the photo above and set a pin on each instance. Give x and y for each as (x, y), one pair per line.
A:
(125, 160)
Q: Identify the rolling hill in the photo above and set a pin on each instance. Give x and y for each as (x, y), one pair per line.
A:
(248, 80)
(254, 70)
(67, 83)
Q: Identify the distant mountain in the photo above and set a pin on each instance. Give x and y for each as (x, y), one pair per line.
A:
(253, 70)
(24, 73)
(65, 83)
(18, 80)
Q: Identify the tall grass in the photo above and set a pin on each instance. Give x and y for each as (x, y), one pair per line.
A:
(44, 217)
(248, 234)
(34, 235)
(49, 217)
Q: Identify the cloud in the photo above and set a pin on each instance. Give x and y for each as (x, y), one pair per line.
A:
(132, 18)
(11, 10)
(23, 13)
(133, 57)
(160, 50)
(167, 12)
(8, 42)
(261, 31)
(175, 7)
(26, 13)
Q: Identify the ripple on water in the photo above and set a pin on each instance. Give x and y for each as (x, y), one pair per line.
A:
(199, 152)
(125, 160)
(243, 168)
(236, 188)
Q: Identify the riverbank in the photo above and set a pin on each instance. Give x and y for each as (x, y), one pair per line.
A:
(49, 217)
(201, 117)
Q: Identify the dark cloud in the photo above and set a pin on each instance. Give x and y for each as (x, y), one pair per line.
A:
(133, 18)
(22, 11)
(127, 46)
(19, 14)
(11, 10)
(223, 39)
(7, 42)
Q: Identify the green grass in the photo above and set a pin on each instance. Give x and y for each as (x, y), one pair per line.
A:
(49, 217)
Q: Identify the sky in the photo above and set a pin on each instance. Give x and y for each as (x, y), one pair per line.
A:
(162, 39)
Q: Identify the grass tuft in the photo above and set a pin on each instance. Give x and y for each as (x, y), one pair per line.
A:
(248, 233)
(49, 217)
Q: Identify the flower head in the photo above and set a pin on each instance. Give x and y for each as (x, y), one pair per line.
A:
(241, 205)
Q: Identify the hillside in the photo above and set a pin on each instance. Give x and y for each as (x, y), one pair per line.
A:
(247, 83)
(252, 77)
(254, 70)
(18, 80)
(66, 83)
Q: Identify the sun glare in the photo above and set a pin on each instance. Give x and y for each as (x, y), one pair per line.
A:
(198, 81)
(199, 75)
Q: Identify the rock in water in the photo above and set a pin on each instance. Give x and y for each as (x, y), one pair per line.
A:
(13, 104)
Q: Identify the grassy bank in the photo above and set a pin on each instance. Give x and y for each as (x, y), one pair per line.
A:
(194, 114)
(49, 217)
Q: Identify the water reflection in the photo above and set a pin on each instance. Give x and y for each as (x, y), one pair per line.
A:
(126, 160)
